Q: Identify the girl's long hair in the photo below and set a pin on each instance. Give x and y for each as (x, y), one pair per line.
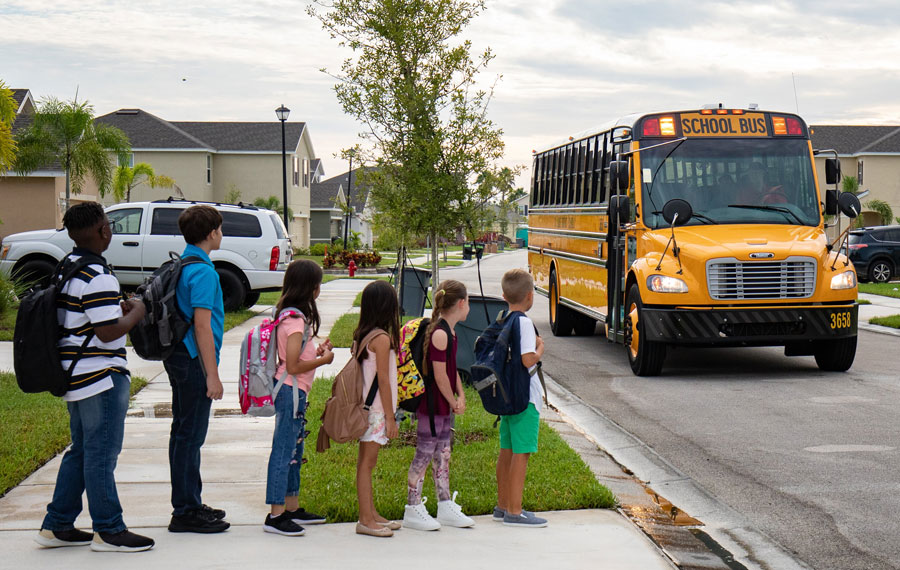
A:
(301, 279)
(448, 294)
(378, 309)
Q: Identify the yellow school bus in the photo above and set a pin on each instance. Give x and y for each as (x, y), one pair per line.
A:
(693, 228)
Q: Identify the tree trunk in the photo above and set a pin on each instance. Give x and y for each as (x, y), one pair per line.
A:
(67, 189)
(435, 264)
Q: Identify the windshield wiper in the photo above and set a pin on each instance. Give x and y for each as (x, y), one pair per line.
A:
(704, 218)
(769, 208)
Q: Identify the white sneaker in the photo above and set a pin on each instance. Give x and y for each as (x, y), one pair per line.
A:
(450, 514)
(416, 517)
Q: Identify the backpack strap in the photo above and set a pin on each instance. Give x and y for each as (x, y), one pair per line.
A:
(537, 368)
(307, 330)
(373, 389)
(431, 392)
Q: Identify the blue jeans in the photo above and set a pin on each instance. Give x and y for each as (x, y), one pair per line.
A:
(97, 425)
(283, 479)
(190, 421)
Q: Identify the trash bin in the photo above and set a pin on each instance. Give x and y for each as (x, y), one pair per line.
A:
(467, 331)
(479, 250)
(468, 250)
(501, 245)
(520, 243)
(522, 233)
(413, 289)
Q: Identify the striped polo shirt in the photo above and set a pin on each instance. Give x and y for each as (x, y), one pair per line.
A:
(90, 299)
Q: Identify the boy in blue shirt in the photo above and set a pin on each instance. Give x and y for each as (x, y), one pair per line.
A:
(193, 371)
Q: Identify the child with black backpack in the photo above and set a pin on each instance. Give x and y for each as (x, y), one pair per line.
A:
(298, 359)
(444, 393)
(519, 433)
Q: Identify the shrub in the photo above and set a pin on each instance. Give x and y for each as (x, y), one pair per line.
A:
(318, 248)
(301, 251)
(360, 258)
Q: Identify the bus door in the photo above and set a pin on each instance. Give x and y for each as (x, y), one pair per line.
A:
(617, 244)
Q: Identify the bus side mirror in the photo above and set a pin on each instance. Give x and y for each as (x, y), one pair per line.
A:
(832, 171)
(619, 212)
(849, 205)
(831, 202)
(618, 175)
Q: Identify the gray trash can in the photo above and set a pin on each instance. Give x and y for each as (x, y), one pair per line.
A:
(467, 331)
(413, 290)
(467, 251)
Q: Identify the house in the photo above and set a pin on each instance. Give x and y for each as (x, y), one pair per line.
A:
(210, 161)
(871, 154)
(358, 196)
(326, 215)
(36, 200)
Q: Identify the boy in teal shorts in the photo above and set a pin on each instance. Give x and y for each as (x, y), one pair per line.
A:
(519, 433)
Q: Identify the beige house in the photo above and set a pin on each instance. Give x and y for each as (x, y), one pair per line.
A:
(869, 153)
(210, 160)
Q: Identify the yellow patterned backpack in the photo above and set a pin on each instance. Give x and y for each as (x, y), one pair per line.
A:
(412, 384)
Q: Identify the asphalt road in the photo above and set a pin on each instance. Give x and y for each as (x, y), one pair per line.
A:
(810, 458)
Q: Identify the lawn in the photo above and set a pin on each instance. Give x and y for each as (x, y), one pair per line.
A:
(558, 479)
(892, 321)
(36, 428)
(886, 289)
(341, 334)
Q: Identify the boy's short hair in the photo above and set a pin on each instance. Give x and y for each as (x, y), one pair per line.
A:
(82, 216)
(197, 222)
(516, 285)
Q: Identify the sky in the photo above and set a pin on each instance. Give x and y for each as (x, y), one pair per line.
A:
(560, 67)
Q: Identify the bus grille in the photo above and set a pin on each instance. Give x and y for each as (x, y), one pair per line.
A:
(729, 279)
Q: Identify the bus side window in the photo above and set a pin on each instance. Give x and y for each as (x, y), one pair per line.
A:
(536, 177)
(579, 167)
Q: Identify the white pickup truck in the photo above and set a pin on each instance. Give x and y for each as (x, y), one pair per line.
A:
(255, 248)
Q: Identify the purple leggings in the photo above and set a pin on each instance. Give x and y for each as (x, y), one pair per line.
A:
(434, 450)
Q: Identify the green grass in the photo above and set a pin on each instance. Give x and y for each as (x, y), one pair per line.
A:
(7, 324)
(358, 300)
(863, 302)
(234, 318)
(35, 428)
(316, 258)
(341, 334)
(885, 289)
(557, 479)
(892, 321)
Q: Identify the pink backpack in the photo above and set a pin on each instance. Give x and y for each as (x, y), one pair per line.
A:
(257, 387)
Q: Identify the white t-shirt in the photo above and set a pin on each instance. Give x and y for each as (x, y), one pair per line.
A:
(528, 343)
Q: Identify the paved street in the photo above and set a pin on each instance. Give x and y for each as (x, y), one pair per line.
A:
(782, 449)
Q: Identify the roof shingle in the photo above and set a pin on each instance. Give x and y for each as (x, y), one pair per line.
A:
(854, 139)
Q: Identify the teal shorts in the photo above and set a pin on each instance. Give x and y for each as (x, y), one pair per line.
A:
(520, 432)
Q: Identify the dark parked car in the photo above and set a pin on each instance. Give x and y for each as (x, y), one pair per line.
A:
(875, 252)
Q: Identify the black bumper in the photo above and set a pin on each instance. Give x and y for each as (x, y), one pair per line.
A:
(765, 326)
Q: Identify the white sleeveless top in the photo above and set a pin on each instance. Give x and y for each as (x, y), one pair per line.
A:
(369, 371)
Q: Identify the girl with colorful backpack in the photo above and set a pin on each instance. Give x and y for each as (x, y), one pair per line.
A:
(446, 398)
(379, 311)
(299, 360)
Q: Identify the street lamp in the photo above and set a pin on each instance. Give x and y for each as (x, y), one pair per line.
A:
(350, 153)
(282, 114)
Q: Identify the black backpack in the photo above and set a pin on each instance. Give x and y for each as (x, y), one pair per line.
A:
(163, 327)
(38, 367)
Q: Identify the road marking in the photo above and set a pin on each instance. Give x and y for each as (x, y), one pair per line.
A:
(847, 448)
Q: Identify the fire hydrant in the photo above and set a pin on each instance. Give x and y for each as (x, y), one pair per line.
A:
(351, 267)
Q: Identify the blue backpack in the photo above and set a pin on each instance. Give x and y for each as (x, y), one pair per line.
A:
(498, 374)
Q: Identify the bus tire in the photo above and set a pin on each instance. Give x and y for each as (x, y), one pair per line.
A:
(835, 355)
(584, 325)
(646, 357)
(562, 319)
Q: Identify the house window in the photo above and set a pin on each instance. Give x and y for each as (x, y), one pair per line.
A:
(209, 169)
(859, 172)
(129, 160)
(306, 173)
(295, 170)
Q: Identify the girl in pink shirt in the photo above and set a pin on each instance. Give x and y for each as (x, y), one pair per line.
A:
(302, 283)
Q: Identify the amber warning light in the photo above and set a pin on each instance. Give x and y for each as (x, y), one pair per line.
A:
(662, 126)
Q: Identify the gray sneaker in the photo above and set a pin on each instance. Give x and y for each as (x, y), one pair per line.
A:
(524, 519)
(499, 514)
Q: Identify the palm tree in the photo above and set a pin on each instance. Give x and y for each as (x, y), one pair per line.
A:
(274, 204)
(126, 178)
(7, 117)
(65, 132)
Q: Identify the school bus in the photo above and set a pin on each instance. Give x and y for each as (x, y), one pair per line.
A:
(694, 228)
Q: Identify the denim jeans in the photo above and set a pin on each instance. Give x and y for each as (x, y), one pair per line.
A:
(97, 425)
(283, 479)
(190, 421)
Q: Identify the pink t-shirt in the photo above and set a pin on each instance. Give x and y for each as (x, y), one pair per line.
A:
(294, 325)
(370, 371)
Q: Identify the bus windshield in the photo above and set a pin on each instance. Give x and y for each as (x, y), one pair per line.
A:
(734, 181)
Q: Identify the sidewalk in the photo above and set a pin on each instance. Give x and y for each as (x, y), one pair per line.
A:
(234, 474)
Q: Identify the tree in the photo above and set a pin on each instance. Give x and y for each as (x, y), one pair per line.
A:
(425, 118)
(883, 209)
(8, 111)
(127, 178)
(274, 204)
(233, 196)
(65, 132)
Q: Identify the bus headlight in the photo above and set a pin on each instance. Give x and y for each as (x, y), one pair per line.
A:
(666, 284)
(845, 280)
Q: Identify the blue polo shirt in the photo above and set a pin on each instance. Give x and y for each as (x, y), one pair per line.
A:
(199, 287)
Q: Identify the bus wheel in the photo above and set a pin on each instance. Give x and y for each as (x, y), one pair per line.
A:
(646, 357)
(584, 325)
(562, 319)
(835, 355)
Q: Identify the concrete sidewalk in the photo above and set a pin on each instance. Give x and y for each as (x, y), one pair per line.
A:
(234, 475)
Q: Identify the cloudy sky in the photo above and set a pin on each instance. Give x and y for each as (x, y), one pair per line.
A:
(566, 65)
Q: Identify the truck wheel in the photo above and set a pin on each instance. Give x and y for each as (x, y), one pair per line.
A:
(835, 355)
(584, 325)
(881, 271)
(36, 272)
(251, 298)
(233, 291)
(646, 357)
(562, 319)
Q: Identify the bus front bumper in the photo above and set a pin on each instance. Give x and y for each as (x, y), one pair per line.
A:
(750, 326)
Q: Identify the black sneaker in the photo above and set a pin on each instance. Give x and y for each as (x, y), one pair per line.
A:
(217, 514)
(197, 521)
(58, 538)
(282, 524)
(125, 541)
(302, 516)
